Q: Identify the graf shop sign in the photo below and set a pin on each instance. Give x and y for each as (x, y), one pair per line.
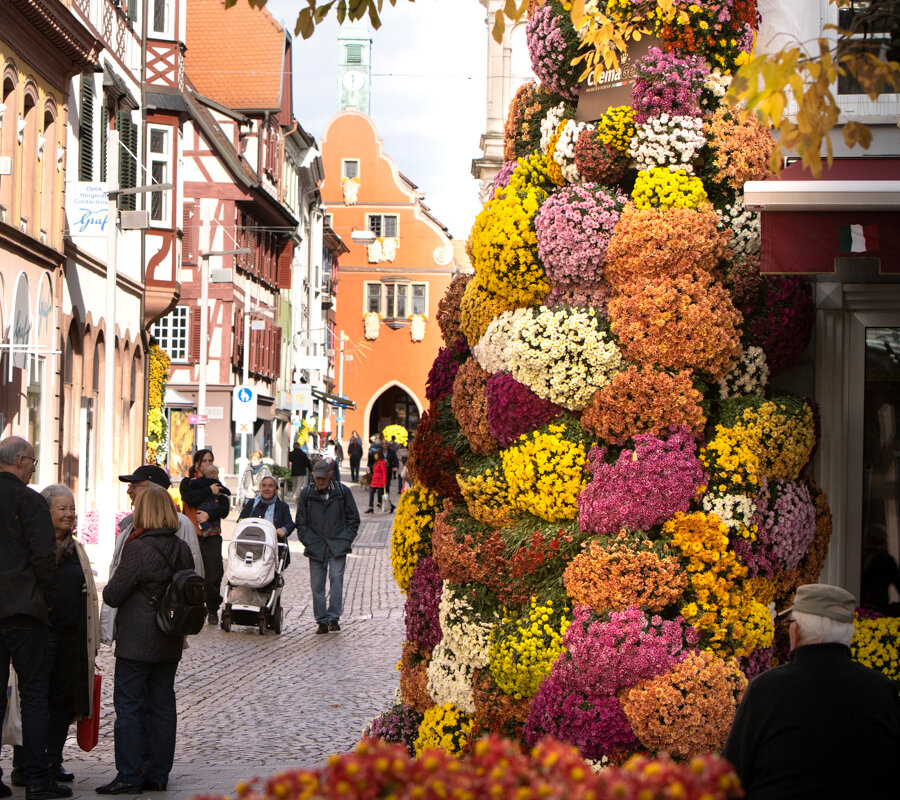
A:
(612, 87)
(44, 314)
(87, 208)
(21, 323)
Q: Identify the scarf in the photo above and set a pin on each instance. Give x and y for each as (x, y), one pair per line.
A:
(64, 549)
(269, 506)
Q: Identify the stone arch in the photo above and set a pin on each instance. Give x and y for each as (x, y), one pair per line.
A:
(382, 408)
(29, 172)
(9, 97)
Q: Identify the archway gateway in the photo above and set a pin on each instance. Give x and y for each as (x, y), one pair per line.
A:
(394, 406)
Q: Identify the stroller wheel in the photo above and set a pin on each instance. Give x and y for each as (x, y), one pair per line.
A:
(262, 621)
(226, 621)
(276, 622)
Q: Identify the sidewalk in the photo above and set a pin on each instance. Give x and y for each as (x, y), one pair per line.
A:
(251, 705)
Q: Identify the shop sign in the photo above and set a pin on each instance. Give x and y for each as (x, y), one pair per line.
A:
(44, 314)
(612, 87)
(21, 323)
(301, 399)
(87, 208)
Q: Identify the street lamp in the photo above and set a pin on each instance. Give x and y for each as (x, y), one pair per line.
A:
(204, 333)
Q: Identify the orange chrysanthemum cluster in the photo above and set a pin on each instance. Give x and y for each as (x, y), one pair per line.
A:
(644, 400)
(741, 147)
(470, 407)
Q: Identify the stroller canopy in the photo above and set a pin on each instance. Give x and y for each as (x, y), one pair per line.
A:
(252, 554)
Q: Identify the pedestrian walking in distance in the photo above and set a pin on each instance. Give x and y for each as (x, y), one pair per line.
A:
(327, 523)
(821, 726)
(300, 467)
(28, 588)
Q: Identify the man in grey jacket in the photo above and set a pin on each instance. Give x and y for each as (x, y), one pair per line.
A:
(327, 524)
(138, 481)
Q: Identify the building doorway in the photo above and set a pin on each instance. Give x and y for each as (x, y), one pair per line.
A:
(394, 406)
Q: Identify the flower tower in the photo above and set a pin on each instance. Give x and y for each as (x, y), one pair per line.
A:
(611, 502)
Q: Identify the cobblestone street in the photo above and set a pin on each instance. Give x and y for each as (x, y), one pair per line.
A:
(251, 705)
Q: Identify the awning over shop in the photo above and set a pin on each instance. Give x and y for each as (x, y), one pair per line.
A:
(333, 399)
(173, 399)
(853, 210)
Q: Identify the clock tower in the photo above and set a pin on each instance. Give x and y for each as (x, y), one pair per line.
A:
(354, 67)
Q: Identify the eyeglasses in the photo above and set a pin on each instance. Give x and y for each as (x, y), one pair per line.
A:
(33, 460)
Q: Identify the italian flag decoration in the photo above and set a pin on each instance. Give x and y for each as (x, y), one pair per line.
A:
(858, 238)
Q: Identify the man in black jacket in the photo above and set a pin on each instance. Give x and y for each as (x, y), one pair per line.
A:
(300, 465)
(822, 726)
(27, 591)
(327, 524)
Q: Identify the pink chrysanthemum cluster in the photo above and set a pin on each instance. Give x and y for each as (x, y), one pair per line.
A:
(668, 84)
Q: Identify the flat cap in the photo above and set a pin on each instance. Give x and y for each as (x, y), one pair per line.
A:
(824, 600)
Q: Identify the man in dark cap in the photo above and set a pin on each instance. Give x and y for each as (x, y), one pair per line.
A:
(144, 476)
(821, 726)
(327, 524)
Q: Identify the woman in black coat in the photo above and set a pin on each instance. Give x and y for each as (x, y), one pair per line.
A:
(146, 658)
(268, 505)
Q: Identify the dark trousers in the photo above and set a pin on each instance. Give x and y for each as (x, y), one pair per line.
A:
(62, 650)
(214, 567)
(146, 720)
(24, 641)
(373, 493)
(354, 468)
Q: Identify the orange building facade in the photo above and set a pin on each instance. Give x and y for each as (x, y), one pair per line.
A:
(400, 278)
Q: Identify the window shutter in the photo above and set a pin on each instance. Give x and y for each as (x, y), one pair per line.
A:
(86, 130)
(104, 137)
(194, 336)
(277, 372)
(285, 259)
(131, 11)
(237, 337)
(127, 162)
(189, 228)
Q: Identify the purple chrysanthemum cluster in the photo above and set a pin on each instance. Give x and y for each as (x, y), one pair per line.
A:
(667, 84)
(552, 44)
(443, 371)
(501, 179)
(423, 598)
(573, 229)
(513, 409)
(399, 724)
(782, 321)
(645, 487)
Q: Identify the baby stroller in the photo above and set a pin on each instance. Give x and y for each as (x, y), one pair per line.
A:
(253, 575)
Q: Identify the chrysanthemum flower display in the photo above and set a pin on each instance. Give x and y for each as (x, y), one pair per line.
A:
(679, 323)
(644, 400)
(877, 644)
(654, 244)
(643, 487)
(603, 444)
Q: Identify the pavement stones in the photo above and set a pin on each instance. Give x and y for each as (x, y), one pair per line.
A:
(250, 705)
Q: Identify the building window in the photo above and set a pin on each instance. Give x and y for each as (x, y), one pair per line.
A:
(160, 160)
(383, 224)
(396, 299)
(172, 333)
(159, 16)
(329, 221)
(873, 35)
(350, 168)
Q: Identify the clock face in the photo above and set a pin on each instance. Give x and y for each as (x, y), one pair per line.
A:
(353, 80)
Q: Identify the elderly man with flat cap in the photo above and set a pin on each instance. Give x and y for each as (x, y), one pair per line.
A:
(821, 726)
(327, 524)
(144, 476)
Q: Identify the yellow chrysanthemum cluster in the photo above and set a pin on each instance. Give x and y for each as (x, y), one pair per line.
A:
(616, 127)
(504, 246)
(545, 473)
(156, 419)
(487, 496)
(730, 621)
(444, 727)
(525, 645)
(876, 644)
(731, 462)
(396, 432)
(781, 437)
(411, 534)
(531, 171)
(663, 188)
(476, 310)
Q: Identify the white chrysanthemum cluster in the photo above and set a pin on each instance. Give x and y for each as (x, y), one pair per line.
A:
(550, 123)
(465, 632)
(667, 141)
(564, 154)
(750, 375)
(563, 355)
(745, 228)
(735, 510)
(450, 679)
(716, 85)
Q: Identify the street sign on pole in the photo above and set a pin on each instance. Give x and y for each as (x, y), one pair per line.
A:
(243, 404)
(197, 419)
(241, 428)
(301, 398)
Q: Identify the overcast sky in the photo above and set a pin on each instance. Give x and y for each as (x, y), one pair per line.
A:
(428, 94)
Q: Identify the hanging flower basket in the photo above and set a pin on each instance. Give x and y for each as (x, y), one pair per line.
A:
(350, 187)
(417, 327)
(384, 248)
(372, 323)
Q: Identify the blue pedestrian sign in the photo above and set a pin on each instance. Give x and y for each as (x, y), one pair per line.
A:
(243, 404)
